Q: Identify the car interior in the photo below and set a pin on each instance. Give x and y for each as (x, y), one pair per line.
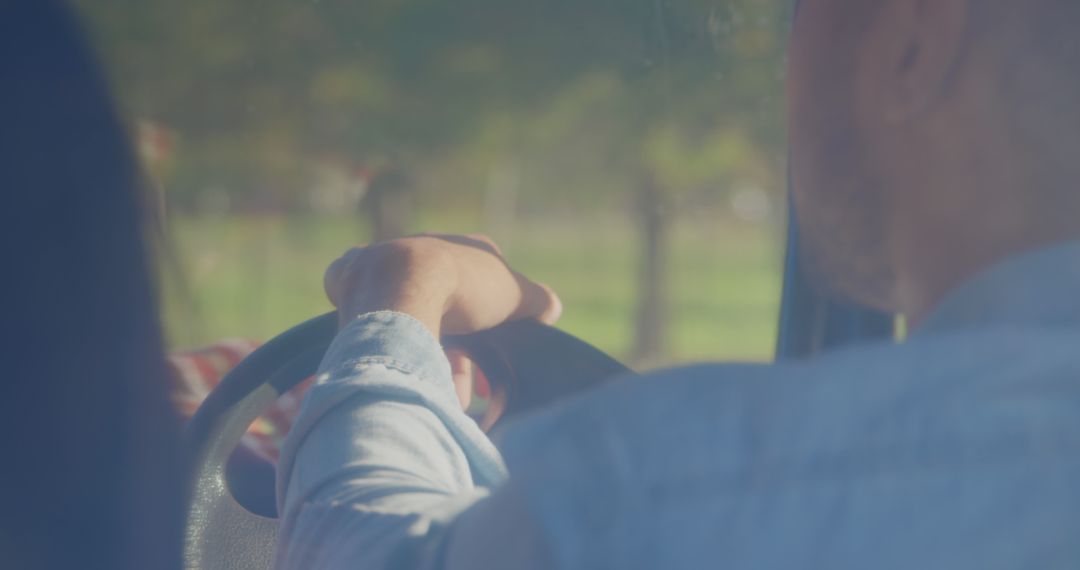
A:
(536, 363)
(223, 532)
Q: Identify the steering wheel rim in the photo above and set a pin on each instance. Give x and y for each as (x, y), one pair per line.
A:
(536, 364)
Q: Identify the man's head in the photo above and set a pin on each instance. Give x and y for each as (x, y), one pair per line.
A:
(930, 138)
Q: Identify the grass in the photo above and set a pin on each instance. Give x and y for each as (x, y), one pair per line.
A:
(253, 277)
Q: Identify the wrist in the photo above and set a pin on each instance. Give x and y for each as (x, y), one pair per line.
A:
(427, 315)
(427, 305)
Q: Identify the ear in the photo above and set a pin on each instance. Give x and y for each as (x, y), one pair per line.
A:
(907, 57)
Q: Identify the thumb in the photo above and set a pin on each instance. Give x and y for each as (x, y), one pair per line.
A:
(538, 301)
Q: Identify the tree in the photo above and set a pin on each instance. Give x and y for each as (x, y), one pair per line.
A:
(628, 103)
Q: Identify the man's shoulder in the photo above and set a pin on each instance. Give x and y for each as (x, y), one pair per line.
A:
(960, 386)
(749, 463)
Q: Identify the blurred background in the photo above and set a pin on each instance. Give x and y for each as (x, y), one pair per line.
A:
(628, 152)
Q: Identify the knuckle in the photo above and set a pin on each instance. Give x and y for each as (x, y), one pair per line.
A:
(416, 249)
(486, 240)
(483, 238)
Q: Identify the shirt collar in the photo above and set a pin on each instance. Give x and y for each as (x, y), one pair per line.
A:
(1039, 288)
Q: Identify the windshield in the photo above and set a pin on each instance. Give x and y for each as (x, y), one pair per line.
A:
(630, 154)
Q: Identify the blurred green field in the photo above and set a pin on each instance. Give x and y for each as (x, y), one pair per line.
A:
(252, 277)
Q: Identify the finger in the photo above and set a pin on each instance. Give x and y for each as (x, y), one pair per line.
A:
(497, 397)
(538, 301)
(554, 310)
(332, 280)
(341, 273)
(475, 241)
(487, 241)
(461, 370)
(481, 384)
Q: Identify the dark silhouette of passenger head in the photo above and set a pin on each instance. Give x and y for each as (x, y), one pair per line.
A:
(91, 475)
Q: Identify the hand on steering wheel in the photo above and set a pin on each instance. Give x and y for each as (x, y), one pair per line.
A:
(452, 284)
(464, 293)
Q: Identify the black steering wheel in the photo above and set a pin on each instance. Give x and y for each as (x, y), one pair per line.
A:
(534, 363)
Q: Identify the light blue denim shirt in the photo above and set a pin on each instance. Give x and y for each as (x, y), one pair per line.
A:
(959, 448)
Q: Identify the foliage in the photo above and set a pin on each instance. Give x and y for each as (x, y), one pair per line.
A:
(523, 110)
(577, 95)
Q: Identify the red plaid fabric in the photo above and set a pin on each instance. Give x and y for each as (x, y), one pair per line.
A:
(197, 372)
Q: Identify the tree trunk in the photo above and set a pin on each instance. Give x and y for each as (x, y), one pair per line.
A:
(389, 213)
(388, 205)
(652, 305)
(500, 202)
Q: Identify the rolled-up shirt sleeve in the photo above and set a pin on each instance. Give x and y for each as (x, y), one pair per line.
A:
(381, 457)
